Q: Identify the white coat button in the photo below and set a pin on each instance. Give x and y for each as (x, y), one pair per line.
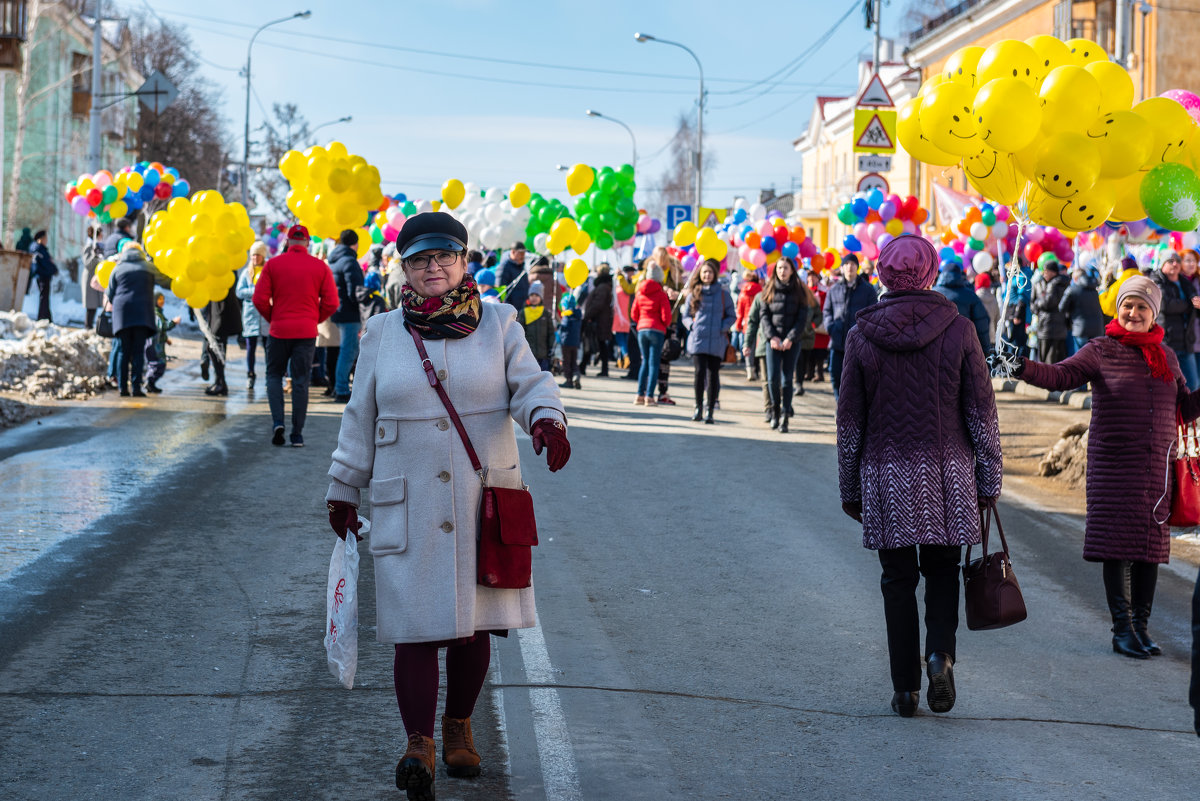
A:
(444, 476)
(443, 424)
(447, 527)
(441, 375)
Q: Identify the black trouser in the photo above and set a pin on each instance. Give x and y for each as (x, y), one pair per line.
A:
(635, 354)
(132, 359)
(154, 366)
(780, 366)
(801, 370)
(902, 570)
(708, 372)
(570, 361)
(1051, 351)
(814, 361)
(216, 358)
(43, 285)
(298, 354)
(603, 350)
(664, 374)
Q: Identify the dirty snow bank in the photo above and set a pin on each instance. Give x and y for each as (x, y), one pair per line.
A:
(40, 359)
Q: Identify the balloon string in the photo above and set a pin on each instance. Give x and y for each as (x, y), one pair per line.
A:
(1006, 351)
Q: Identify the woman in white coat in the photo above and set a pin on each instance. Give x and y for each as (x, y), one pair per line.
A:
(398, 439)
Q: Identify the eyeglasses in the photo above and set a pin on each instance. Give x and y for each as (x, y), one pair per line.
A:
(423, 261)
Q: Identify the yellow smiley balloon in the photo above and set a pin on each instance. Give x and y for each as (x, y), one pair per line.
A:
(946, 121)
(930, 82)
(1072, 98)
(1068, 163)
(1051, 52)
(994, 175)
(1172, 127)
(1116, 87)
(1084, 211)
(908, 131)
(1128, 206)
(1008, 114)
(1009, 58)
(961, 66)
(1085, 51)
(1124, 139)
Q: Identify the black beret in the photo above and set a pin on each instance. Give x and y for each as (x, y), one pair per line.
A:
(431, 230)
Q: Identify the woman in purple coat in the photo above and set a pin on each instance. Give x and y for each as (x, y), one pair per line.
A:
(918, 456)
(1137, 391)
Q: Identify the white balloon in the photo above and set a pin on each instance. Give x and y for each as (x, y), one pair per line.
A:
(758, 212)
(493, 212)
(493, 195)
(979, 231)
(539, 244)
(1000, 229)
(740, 203)
(470, 189)
(982, 262)
(424, 206)
(490, 237)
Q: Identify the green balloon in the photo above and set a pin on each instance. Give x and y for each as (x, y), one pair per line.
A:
(603, 240)
(547, 215)
(590, 223)
(845, 215)
(110, 194)
(583, 205)
(602, 203)
(626, 170)
(376, 234)
(606, 171)
(610, 220)
(409, 209)
(624, 232)
(625, 207)
(1170, 194)
(609, 183)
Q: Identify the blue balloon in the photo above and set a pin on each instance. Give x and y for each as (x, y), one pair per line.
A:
(768, 244)
(851, 242)
(134, 201)
(790, 249)
(946, 253)
(151, 179)
(746, 231)
(179, 189)
(400, 197)
(860, 208)
(740, 216)
(875, 198)
(173, 172)
(146, 192)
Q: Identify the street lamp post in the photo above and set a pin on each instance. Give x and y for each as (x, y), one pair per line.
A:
(339, 120)
(632, 138)
(246, 145)
(698, 162)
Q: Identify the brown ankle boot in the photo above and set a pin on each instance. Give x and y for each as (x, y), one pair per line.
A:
(458, 749)
(415, 771)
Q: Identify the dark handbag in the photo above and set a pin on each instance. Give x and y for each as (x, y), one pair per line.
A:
(990, 589)
(104, 324)
(507, 528)
(1185, 499)
(731, 354)
(673, 346)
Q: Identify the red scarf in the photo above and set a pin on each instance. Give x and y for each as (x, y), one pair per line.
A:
(1151, 345)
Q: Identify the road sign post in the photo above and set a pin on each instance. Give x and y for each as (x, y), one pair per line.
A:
(677, 214)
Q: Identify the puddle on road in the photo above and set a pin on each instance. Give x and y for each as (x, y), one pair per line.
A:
(98, 460)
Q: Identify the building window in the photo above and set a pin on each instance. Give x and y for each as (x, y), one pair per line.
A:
(81, 83)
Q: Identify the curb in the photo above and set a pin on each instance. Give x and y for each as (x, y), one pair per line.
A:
(1074, 398)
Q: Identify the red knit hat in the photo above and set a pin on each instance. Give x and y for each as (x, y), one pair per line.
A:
(983, 281)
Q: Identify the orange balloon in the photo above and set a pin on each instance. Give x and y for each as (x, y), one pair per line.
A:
(974, 214)
(921, 215)
(964, 225)
(753, 240)
(797, 235)
(154, 165)
(873, 216)
(948, 237)
(818, 262)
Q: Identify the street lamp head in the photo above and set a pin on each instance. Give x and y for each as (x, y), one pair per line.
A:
(591, 113)
(561, 167)
(643, 37)
(347, 118)
(302, 14)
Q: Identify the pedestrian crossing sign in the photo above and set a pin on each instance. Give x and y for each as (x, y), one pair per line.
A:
(874, 130)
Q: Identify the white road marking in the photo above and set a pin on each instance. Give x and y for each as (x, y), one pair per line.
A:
(559, 775)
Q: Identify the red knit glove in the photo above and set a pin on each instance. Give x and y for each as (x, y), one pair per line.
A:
(343, 517)
(551, 435)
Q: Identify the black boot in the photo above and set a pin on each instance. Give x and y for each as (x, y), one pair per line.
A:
(1125, 642)
(699, 414)
(905, 704)
(250, 380)
(941, 695)
(1143, 576)
(775, 417)
(708, 417)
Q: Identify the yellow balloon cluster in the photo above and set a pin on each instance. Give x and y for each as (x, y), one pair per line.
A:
(1049, 127)
(199, 244)
(565, 234)
(332, 190)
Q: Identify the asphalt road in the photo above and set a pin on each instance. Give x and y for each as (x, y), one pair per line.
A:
(710, 626)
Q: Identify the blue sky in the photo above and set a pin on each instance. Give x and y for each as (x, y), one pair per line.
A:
(423, 117)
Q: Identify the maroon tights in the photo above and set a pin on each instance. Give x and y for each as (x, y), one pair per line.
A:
(416, 676)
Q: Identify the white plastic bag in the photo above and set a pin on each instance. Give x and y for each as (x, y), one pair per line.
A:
(341, 609)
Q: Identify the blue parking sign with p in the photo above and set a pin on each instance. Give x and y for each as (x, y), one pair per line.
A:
(677, 215)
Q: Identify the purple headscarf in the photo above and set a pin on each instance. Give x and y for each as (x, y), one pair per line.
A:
(907, 262)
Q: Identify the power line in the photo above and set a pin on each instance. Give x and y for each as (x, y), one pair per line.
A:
(467, 56)
(788, 104)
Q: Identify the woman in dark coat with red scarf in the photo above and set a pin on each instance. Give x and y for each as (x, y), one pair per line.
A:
(1137, 393)
(918, 456)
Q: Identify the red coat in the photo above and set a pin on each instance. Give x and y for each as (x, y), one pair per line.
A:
(295, 292)
(745, 297)
(820, 341)
(651, 307)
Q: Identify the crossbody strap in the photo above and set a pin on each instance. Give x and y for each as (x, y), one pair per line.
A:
(431, 374)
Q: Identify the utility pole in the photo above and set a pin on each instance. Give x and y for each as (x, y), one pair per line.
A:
(94, 114)
(878, 7)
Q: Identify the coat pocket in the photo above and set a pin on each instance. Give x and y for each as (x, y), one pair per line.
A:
(389, 512)
(386, 432)
(505, 477)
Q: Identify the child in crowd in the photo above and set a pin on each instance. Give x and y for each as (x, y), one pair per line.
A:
(486, 279)
(370, 296)
(570, 332)
(156, 346)
(539, 326)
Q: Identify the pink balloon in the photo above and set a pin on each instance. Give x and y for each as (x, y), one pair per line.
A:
(808, 249)
(875, 230)
(765, 228)
(643, 224)
(1001, 212)
(744, 253)
(757, 258)
(910, 227)
(1034, 233)
(870, 250)
(896, 202)
(1189, 100)
(860, 231)
(390, 233)
(958, 246)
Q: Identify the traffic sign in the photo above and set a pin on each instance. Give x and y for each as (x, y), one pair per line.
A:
(677, 214)
(869, 162)
(874, 130)
(157, 93)
(876, 94)
(873, 180)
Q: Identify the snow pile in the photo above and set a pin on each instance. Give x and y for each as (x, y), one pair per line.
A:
(43, 360)
(1067, 458)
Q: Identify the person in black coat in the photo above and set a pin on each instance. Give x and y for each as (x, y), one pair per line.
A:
(112, 242)
(1175, 315)
(224, 319)
(1052, 328)
(954, 285)
(844, 300)
(598, 321)
(783, 319)
(348, 278)
(512, 277)
(43, 270)
(131, 293)
(1081, 305)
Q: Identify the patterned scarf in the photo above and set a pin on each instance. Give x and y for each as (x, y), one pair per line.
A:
(453, 315)
(1151, 346)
